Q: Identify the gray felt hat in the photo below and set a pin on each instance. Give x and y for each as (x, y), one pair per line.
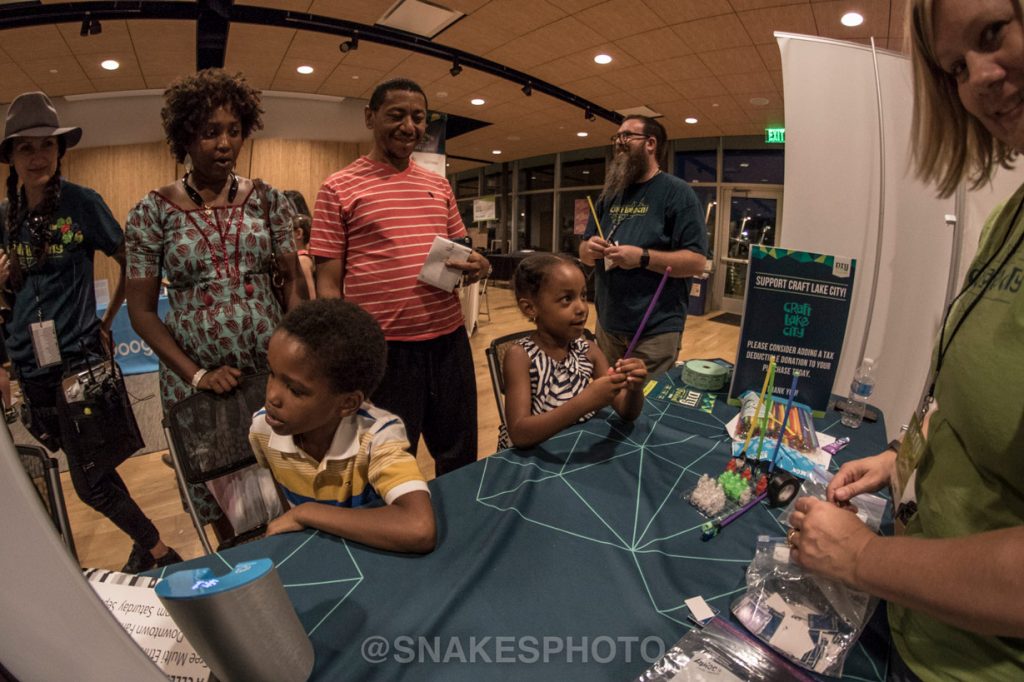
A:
(32, 115)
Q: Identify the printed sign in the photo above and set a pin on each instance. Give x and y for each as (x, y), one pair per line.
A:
(796, 308)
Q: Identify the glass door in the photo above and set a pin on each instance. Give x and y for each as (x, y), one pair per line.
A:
(749, 217)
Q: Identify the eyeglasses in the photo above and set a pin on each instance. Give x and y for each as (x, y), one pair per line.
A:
(626, 136)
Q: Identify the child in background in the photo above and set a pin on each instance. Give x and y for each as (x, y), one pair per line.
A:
(301, 227)
(554, 377)
(332, 452)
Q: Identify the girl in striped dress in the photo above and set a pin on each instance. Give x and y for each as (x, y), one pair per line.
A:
(554, 377)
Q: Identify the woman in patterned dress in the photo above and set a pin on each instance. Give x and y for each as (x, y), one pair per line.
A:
(214, 236)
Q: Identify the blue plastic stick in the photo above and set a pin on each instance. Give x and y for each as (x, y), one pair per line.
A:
(785, 418)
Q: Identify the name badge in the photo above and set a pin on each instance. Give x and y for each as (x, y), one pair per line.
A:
(44, 343)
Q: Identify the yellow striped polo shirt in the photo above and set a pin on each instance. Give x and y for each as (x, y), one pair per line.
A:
(368, 460)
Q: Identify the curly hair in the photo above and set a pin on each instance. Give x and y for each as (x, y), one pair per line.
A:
(533, 270)
(191, 100)
(343, 339)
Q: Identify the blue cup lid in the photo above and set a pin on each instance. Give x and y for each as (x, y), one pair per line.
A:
(201, 582)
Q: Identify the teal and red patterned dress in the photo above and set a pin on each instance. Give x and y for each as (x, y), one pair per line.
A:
(217, 263)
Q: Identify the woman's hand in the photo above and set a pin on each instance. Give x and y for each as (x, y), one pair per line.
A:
(224, 379)
(865, 475)
(828, 540)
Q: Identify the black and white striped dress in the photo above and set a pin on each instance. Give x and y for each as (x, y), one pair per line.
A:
(554, 383)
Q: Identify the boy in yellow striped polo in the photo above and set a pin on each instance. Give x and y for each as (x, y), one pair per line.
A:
(334, 454)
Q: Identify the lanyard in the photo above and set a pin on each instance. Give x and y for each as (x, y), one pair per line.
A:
(944, 344)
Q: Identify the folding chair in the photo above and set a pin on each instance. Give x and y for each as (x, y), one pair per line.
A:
(208, 436)
(44, 471)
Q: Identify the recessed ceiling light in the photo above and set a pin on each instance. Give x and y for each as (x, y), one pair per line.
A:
(603, 58)
(110, 64)
(582, 133)
(690, 119)
(53, 70)
(759, 101)
(305, 69)
(496, 151)
(852, 19)
(355, 78)
(514, 138)
(442, 93)
(476, 101)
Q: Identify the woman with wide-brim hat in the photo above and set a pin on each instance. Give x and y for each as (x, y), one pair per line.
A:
(52, 229)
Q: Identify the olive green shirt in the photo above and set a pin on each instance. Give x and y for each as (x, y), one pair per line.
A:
(971, 476)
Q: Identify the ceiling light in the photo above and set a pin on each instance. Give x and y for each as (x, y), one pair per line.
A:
(456, 68)
(582, 133)
(496, 152)
(477, 102)
(690, 119)
(603, 58)
(852, 19)
(350, 45)
(305, 70)
(528, 89)
(110, 64)
(759, 101)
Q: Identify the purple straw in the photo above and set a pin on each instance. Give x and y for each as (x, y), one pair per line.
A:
(647, 315)
(741, 511)
(785, 418)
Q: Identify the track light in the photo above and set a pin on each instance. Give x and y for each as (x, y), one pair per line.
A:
(528, 89)
(589, 115)
(456, 68)
(352, 44)
(90, 27)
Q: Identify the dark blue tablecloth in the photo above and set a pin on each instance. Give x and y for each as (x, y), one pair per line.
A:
(569, 561)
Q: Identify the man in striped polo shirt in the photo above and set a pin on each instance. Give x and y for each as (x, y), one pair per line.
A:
(373, 224)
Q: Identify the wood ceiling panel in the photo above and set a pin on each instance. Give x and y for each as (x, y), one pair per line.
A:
(564, 37)
(762, 23)
(684, 131)
(741, 129)
(13, 82)
(22, 43)
(114, 38)
(316, 49)
(513, 18)
(583, 62)
(45, 72)
(898, 32)
(349, 81)
(715, 33)
(733, 61)
(777, 79)
(681, 69)
(744, 5)
(261, 44)
(361, 11)
(119, 82)
(373, 56)
(592, 88)
(658, 97)
(291, 5)
(771, 56)
(748, 83)
(620, 18)
(90, 65)
(634, 77)
(473, 35)
(465, 6)
(661, 43)
(701, 87)
(677, 11)
(79, 86)
(288, 79)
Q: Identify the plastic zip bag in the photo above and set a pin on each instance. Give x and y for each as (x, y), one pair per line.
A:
(719, 652)
(811, 620)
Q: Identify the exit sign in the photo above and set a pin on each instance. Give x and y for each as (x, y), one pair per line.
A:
(775, 135)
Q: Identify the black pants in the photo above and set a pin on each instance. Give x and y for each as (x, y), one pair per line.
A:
(431, 385)
(98, 486)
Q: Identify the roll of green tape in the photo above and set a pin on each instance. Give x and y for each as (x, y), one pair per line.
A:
(705, 375)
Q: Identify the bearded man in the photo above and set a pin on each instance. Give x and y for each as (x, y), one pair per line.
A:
(650, 221)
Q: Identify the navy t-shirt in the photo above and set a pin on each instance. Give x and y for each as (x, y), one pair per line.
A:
(62, 288)
(662, 214)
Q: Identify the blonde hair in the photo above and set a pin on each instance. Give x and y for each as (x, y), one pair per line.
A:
(949, 144)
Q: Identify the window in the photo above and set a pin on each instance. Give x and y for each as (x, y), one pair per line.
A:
(583, 168)
(537, 173)
(697, 166)
(536, 213)
(754, 166)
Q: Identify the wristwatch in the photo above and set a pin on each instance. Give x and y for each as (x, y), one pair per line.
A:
(894, 445)
(645, 259)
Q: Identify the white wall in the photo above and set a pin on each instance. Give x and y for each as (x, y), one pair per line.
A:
(114, 119)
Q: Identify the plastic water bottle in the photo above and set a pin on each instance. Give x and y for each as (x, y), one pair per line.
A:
(860, 390)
